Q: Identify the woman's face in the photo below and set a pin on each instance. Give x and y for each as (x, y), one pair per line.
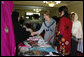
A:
(46, 17)
(61, 13)
(72, 17)
(18, 18)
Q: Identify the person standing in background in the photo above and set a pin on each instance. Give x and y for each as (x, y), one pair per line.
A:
(77, 34)
(22, 20)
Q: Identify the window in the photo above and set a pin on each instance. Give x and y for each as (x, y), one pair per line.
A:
(37, 13)
(31, 13)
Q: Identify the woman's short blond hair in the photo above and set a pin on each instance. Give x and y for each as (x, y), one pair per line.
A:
(47, 12)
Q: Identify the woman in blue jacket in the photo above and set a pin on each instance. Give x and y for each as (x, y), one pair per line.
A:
(49, 26)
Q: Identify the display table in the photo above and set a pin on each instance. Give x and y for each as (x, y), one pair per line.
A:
(36, 46)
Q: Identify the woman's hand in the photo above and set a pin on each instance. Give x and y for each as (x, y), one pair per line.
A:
(74, 34)
(48, 40)
(33, 33)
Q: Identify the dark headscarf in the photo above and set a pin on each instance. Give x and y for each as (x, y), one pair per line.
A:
(20, 33)
(65, 9)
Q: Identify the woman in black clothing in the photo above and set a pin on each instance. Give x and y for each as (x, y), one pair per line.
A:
(20, 33)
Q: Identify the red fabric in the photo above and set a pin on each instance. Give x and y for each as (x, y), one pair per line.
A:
(63, 23)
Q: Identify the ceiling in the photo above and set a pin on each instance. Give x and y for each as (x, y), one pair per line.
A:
(38, 3)
(29, 5)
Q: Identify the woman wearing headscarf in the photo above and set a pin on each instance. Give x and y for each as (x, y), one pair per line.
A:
(20, 33)
(64, 31)
(77, 32)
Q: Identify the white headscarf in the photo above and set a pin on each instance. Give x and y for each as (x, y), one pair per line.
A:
(77, 28)
(76, 17)
(78, 32)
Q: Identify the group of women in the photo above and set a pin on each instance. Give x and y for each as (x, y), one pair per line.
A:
(68, 26)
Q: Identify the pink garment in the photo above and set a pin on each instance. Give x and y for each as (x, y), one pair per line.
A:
(8, 47)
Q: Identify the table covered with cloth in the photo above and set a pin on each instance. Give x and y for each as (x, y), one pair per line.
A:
(36, 46)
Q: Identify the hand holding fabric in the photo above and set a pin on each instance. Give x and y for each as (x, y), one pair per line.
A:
(33, 33)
